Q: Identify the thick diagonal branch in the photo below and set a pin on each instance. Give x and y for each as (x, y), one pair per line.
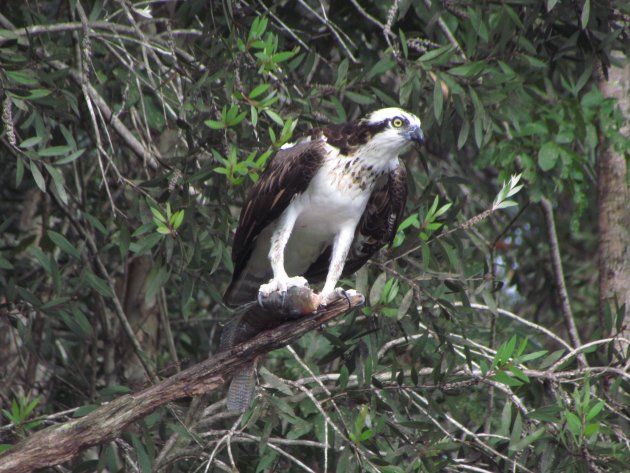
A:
(61, 443)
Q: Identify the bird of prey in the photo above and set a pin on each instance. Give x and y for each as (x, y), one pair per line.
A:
(323, 206)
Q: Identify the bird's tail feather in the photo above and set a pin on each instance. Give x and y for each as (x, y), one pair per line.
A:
(241, 389)
(243, 382)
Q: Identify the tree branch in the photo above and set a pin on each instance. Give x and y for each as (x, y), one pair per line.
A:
(61, 443)
(561, 286)
(151, 156)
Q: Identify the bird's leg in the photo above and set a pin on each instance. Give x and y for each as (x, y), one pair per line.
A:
(341, 246)
(281, 280)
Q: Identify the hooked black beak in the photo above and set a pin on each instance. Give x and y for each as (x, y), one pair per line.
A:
(415, 134)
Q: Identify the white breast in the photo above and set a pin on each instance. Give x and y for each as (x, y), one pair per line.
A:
(335, 199)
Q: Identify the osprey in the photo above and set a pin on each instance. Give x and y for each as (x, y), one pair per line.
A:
(323, 206)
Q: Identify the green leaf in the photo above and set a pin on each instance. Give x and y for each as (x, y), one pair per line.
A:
(284, 55)
(71, 157)
(5, 264)
(551, 4)
(23, 77)
(275, 117)
(463, 134)
(503, 378)
(5, 447)
(596, 409)
(358, 98)
(41, 257)
(384, 65)
(403, 42)
(548, 156)
(344, 376)
(178, 428)
(546, 414)
(158, 276)
(586, 12)
(215, 125)
(266, 460)
(177, 219)
(30, 142)
(551, 359)
(438, 100)
(518, 373)
(237, 119)
(8, 34)
(123, 240)
(114, 390)
(63, 244)
(591, 429)
(377, 289)
(342, 73)
(505, 204)
(275, 382)
(82, 321)
(574, 423)
(54, 151)
(99, 284)
(85, 410)
(405, 304)
(506, 420)
(469, 70)
(37, 176)
(158, 217)
(535, 62)
(38, 94)
(529, 439)
(95, 223)
(77, 322)
(258, 90)
(282, 407)
(143, 245)
(435, 53)
(517, 429)
(532, 356)
(58, 182)
(19, 171)
(141, 454)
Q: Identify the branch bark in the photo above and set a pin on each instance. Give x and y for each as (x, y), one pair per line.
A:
(61, 443)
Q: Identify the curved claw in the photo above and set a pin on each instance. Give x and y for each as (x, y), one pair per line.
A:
(345, 294)
(260, 298)
(337, 293)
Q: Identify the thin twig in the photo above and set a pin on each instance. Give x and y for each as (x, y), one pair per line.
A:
(561, 287)
(449, 35)
(333, 29)
(369, 17)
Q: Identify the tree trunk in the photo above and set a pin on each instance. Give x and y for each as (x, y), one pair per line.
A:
(614, 212)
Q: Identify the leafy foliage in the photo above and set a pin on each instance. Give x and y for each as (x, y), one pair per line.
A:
(130, 134)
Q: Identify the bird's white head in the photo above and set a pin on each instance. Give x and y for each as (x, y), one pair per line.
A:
(394, 129)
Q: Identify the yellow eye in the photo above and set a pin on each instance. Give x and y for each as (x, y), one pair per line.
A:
(397, 122)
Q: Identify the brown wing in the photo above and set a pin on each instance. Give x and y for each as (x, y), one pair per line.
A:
(376, 228)
(350, 136)
(288, 173)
